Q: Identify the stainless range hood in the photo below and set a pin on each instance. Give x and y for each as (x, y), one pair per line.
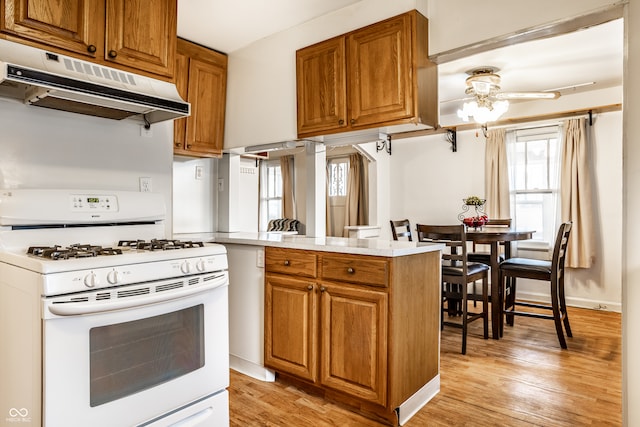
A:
(50, 80)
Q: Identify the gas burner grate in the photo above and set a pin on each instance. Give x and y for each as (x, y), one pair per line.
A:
(159, 244)
(56, 252)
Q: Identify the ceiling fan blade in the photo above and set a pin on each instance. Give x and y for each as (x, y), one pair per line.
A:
(467, 98)
(527, 95)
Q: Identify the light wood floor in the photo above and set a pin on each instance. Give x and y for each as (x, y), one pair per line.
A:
(524, 379)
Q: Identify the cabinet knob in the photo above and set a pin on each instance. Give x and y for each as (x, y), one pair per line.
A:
(310, 287)
(91, 48)
(351, 270)
(353, 121)
(188, 146)
(112, 54)
(322, 289)
(340, 122)
(178, 145)
(286, 262)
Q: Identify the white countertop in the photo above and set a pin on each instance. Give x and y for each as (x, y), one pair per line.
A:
(387, 248)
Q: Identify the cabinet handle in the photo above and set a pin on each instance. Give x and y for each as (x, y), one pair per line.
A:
(322, 289)
(310, 287)
(286, 262)
(112, 54)
(340, 122)
(351, 270)
(353, 121)
(188, 146)
(91, 48)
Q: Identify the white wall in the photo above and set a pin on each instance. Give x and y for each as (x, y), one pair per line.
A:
(42, 148)
(194, 195)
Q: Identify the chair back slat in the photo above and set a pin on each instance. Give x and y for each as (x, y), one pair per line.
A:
(560, 249)
(453, 236)
(401, 229)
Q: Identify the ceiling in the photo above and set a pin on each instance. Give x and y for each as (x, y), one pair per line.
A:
(567, 61)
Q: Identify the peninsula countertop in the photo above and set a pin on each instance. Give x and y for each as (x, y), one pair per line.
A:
(369, 246)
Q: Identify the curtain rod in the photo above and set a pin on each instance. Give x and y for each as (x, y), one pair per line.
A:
(510, 122)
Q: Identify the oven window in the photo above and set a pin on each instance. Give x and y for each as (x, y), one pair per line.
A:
(133, 356)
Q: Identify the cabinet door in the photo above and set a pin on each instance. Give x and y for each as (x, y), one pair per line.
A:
(207, 95)
(142, 34)
(181, 80)
(353, 356)
(380, 72)
(291, 326)
(73, 25)
(321, 90)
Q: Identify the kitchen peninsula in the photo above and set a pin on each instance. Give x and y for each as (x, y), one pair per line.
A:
(356, 320)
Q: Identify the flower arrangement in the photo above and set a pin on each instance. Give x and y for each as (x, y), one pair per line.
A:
(474, 201)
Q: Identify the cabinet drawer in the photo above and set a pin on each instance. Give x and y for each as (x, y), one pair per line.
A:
(288, 261)
(364, 270)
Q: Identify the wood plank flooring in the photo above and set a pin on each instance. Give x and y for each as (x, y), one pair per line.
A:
(524, 379)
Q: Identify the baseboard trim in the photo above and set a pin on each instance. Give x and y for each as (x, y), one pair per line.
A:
(573, 301)
(251, 369)
(412, 405)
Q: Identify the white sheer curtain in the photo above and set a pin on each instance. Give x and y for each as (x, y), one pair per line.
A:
(575, 182)
(496, 173)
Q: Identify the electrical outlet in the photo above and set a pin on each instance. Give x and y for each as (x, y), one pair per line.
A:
(199, 172)
(145, 184)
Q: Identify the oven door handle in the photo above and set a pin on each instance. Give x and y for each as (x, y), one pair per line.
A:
(92, 307)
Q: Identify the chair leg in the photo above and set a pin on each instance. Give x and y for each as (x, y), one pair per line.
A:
(563, 307)
(510, 299)
(473, 288)
(485, 306)
(464, 319)
(556, 313)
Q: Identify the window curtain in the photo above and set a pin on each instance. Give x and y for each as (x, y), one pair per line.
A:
(327, 204)
(575, 183)
(496, 175)
(288, 195)
(356, 205)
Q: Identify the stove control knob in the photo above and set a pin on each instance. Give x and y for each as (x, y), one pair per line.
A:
(112, 277)
(185, 267)
(200, 265)
(90, 280)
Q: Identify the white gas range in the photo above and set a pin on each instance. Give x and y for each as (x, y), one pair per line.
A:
(104, 321)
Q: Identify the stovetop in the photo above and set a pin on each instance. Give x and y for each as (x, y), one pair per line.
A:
(59, 252)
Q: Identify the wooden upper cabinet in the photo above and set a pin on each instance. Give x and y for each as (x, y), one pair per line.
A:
(73, 25)
(133, 35)
(201, 78)
(381, 77)
(380, 74)
(142, 34)
(321, 82)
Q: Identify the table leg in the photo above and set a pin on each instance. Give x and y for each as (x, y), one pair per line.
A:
(496, 311)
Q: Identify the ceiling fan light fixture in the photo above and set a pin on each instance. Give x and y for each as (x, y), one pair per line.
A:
(488, 112)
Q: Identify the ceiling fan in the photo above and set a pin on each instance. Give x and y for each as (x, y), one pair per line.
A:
(489, 103)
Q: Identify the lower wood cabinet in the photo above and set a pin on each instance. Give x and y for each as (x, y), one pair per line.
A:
(360, 329)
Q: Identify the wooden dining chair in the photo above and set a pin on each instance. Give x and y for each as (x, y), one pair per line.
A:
(457, 273)
(484, 256)
(401, 229)
(541, 270)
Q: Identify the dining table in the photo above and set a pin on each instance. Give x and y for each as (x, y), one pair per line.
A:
(494, 236)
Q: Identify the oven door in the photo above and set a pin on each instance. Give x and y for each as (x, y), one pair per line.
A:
(154, 358)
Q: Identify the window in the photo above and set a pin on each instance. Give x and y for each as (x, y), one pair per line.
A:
(534, 157)
(338, 170)
(270, 192)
